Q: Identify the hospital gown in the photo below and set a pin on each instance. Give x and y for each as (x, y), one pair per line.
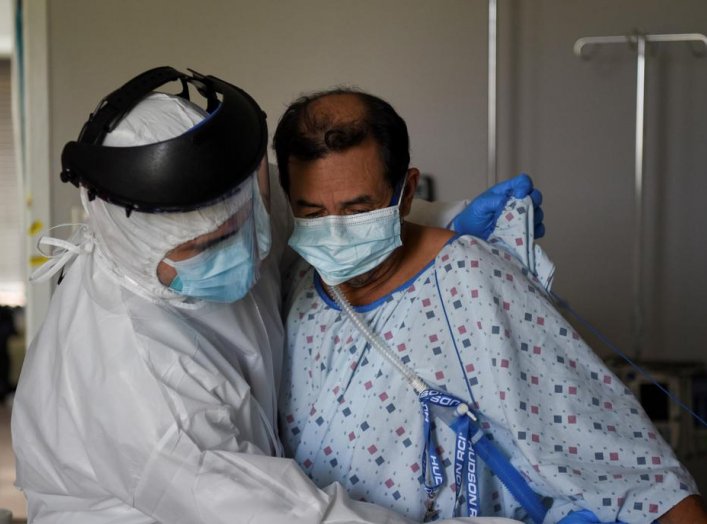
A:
(478, 323)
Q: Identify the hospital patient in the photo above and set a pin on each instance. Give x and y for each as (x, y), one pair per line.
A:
(149, 393)
(467, 318)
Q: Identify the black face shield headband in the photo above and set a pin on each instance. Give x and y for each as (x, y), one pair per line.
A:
(187, 172)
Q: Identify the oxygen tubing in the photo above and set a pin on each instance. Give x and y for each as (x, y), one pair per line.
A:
(494, 459)
(375, 340)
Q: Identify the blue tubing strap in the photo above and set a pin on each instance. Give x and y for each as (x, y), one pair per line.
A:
(511, 478)
(464, 424)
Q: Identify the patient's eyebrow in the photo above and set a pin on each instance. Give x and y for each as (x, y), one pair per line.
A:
(304, 203)
(361, 199)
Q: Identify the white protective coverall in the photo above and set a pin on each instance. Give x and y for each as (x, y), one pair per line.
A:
(136, 405)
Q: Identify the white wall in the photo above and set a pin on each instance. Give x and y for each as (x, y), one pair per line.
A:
(427, 58)
(6, 28)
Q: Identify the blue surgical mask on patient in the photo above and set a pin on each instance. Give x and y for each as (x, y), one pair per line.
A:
(224, 272)
(343, 247)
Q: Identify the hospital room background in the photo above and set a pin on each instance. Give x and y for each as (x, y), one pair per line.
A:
(489, 89)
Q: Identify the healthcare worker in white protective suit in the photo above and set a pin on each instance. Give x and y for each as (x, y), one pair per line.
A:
(149, 393)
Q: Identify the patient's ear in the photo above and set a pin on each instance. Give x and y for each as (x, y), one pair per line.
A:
(413, 178)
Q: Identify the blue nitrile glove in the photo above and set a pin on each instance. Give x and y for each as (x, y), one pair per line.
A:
(583, 517)
(479, 217)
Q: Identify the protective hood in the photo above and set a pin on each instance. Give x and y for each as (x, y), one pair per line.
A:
(131, 247)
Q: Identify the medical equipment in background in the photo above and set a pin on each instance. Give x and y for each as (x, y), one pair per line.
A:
(675, 425)
(492, 175)
(425, 189)
(679, 424)
(638, 41)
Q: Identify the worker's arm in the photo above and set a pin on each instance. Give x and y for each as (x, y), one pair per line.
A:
(478, 217)
(185, 484)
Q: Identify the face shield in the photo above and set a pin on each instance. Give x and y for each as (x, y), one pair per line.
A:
(132, 248)
(154, 172)
(222, 266)
(131, 245)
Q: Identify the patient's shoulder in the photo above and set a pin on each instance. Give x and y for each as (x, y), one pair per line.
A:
(425, 242)
(469, 253)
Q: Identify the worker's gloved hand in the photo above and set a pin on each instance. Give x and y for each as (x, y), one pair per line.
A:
(479, 217)
(583, 517)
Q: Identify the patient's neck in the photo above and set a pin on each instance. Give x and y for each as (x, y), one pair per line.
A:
(420, 246)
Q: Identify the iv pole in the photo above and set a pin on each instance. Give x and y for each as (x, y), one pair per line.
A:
(492, 176)
(639, 41)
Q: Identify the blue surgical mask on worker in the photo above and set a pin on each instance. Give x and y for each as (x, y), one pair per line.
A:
(343, 247)
(224, 272)
(227, 270)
